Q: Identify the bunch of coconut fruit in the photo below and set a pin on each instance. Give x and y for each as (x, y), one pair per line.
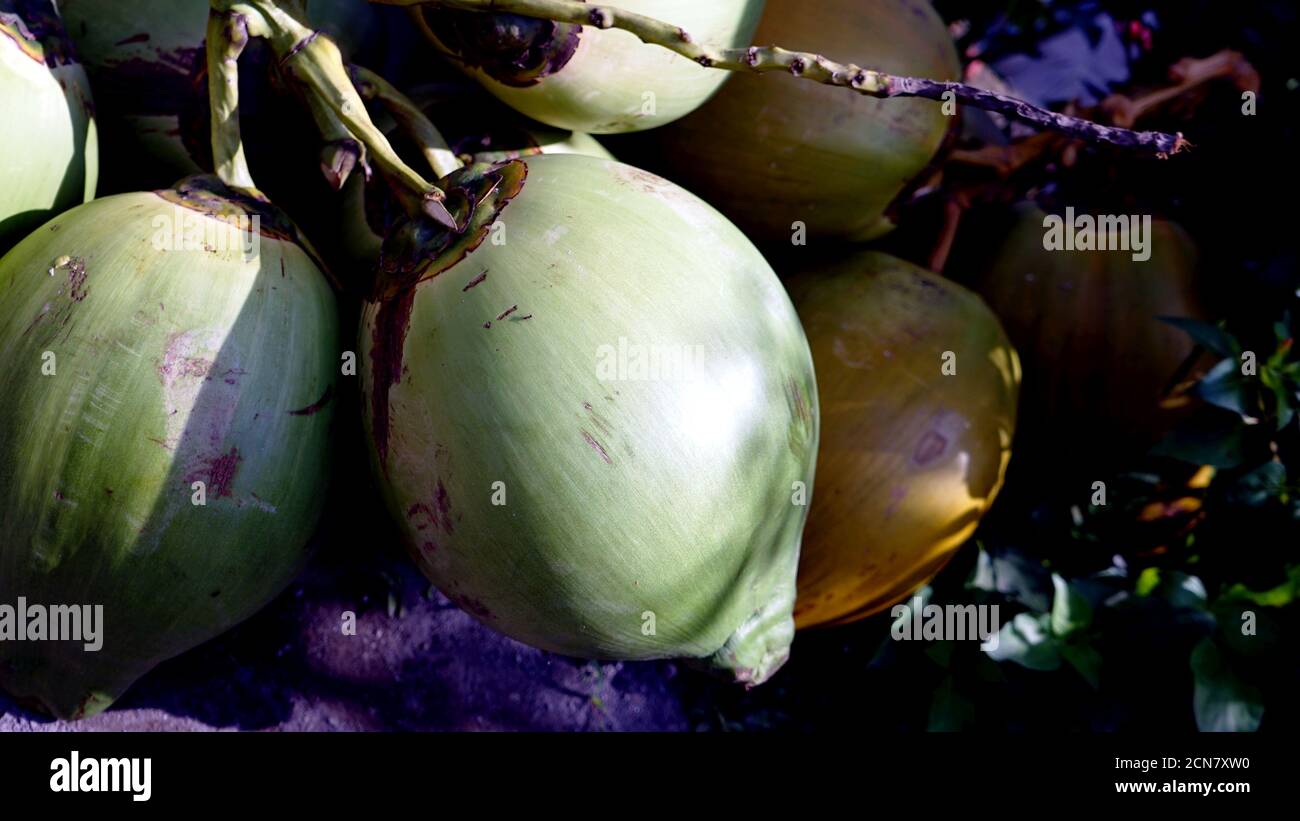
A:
(602, 422)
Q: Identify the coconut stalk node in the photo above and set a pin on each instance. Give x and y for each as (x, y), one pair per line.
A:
(476, 135)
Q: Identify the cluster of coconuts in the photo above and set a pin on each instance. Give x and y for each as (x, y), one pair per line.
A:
(602, 423)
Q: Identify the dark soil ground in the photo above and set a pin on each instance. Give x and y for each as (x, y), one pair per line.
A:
(428, 666)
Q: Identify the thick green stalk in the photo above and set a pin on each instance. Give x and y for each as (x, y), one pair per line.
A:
(315, 62)
(409, 117)
(227, 37)
(810, 66)
(341, 152)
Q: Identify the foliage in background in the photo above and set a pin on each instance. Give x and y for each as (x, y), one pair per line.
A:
(1172, 606)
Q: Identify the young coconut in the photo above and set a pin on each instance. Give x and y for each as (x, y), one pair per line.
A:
(592, 408)
(774, 152)
(163, 448)
(594, 415)
(585, 78)
(918, 388)
(1098, 358)
(49, 154)
(146, 61)
(171, 359)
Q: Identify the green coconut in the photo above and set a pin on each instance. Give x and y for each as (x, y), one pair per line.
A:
(170, 364)
(594, 416)
(586, 79)
(49, 155)
(146, 60)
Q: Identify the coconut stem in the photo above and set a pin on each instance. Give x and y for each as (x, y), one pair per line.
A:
(315, 62)
(436, 151)
(341, 152)
(227, 37)
(812, 67)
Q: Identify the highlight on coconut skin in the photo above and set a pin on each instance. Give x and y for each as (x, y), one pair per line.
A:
(538, 365)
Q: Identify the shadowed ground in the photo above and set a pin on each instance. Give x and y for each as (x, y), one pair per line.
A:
(429, 666)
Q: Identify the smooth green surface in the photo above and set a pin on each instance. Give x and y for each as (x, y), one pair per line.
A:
(170, 367)
(624, 497)
(48, 145)
(615, 83)
(142, 55)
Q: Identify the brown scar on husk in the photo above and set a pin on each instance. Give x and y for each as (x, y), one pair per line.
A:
(420, 251)
(598, 447)
(208, 195)
(597, 420)
(931, 447)
(436, 514)
(219, 472)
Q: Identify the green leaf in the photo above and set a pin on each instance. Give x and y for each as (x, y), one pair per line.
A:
(1071, 612)
(1222, 700)
(1246, 628)
(1260, 485)
(989, 671)
(1279, 596)
(1207, 335)
(1010, 573)
(1147, 581)
(1214, 437)
(983, 576)
(1027, 641)
(1181, 591)
(940, 652)
(950, 711)
(1225, 387)
(1285, 414)
(1086, 660)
